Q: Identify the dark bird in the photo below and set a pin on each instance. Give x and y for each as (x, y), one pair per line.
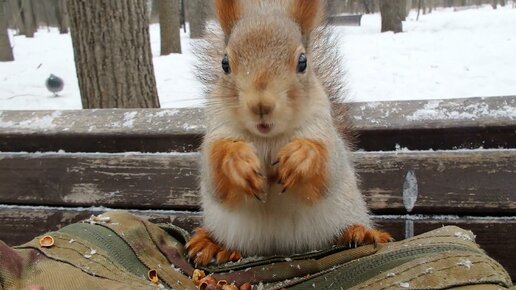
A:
(54, 84)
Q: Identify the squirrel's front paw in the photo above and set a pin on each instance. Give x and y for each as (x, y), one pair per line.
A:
(236, 170)
(358, 235)
(202, 249)
(302, 164)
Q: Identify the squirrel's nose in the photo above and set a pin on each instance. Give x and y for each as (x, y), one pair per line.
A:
(262, 109)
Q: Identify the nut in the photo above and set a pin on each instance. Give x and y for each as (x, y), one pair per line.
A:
(197, 276)
(153, 276)
(46, 241)
(221, 284)
(207, 283)
(229, 287)
(246, 286)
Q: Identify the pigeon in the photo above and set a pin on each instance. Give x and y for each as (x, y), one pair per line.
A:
(54, 84)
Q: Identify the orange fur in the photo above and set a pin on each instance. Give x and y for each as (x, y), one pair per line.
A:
(360, 235)
(228, 12)
(203, 249)
(236, 170)
(306, 14)
(302, 167)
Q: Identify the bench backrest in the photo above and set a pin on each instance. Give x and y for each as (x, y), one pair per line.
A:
(421, 164)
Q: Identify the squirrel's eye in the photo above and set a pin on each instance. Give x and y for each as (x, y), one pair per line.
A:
(301, 63)
(225, 64)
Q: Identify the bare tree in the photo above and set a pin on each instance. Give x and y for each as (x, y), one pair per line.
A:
(197, 14)
(391, 20)
(112, 53)
(169, 26)
(6, 51)
(62, 16)
(29, 22)
(16, 15)
(402, 10)
(368, 6)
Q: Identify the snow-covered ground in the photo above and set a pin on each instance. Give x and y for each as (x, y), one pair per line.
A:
(445, 54)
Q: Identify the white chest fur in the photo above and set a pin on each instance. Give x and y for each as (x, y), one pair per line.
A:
(284, 224)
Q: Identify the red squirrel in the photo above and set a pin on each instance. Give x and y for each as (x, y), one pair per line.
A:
(277, 178)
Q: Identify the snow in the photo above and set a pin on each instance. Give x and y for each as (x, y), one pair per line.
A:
(45, 122)
(445, 54)
(431, 112)
(410, 190)
(465, 263)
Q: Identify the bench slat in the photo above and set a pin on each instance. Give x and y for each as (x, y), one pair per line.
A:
(470, 181)
(425, 124)
(496, 235)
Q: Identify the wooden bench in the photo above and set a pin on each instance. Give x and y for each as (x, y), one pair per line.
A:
(57, 167)
(346, 20)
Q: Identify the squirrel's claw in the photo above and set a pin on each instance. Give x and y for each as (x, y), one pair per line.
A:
(358, 235)
(260, 196)
(202, 249)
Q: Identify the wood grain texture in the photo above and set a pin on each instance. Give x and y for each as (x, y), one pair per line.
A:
(452, 182)
(496, 235)
(114, 66)
(167, 181)
(437, 124)
(449, 182)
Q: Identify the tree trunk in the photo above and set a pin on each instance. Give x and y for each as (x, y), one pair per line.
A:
(113, 55)
(391, 20)
(197, 14)
(403, 11)
(494, 3)
(154, 11)
(169, 26)
(17, 20)
(6, 51)
(45, 13)
(62, 16)
(368, 6)
(28, 18)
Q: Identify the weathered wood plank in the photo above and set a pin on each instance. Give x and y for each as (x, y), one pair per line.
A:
(165, 181)
(496, 235)
(452, 182)
(437, 124)
(449, 182)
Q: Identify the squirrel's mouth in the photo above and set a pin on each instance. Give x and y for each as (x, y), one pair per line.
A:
(264, 128)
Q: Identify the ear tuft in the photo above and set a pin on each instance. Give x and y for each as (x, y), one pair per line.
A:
(228, 12)
(308, 14)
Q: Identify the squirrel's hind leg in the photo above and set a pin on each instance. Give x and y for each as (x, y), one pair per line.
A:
(202, 249)
(358, 235)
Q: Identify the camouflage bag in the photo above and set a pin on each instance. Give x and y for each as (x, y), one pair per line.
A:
(118, 250)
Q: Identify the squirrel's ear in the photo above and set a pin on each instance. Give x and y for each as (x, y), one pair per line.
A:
(308, 14)
(228, 12)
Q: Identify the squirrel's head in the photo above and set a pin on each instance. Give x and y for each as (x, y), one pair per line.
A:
(265, 69)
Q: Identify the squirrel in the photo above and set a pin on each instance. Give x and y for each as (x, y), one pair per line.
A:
(276, 178)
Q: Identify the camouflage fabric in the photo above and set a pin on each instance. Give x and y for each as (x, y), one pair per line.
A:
(118, 250)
